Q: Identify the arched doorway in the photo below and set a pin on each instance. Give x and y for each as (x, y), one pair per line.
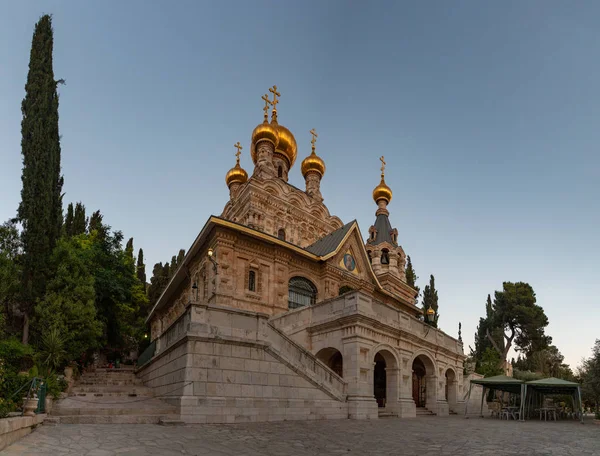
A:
(379, 380)
(301, 292)
(418, 382)
(451, 389)
(333, 359)
(385, 381)
(424, 382)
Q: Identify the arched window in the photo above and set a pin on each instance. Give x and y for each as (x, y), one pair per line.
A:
(252, 281)
(385, 256)
(281, 234)
(301, 292)
(344, 289)
(280, 172)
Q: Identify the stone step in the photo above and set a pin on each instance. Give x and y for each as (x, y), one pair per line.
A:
(171, 422)
(422, 411)
(51, 421)
(111, 389)
(111, 394)
(110, 411)
(114, 419)
(111, 383)
(386, 414)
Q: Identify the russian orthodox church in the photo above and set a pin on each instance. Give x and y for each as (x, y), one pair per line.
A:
(281, 311)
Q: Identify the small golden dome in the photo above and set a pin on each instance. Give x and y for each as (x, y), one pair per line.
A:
(236, 175)
(263, 132)
(287, 143)
(382, 192)
(313, 163)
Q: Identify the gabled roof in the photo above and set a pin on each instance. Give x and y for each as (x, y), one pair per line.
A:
(384, 231)
(330, 243)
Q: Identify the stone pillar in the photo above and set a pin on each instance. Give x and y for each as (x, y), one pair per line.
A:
(264, 168)
(358, 372)
(392, 393)
(431, 393)
(313, 185)
(406, 405)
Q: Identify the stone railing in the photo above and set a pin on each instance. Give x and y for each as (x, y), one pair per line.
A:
(305, 363)
(12, 429)
(178, 329)
(293, 323)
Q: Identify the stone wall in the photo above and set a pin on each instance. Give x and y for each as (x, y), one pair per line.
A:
(222, 365)
(13, 429)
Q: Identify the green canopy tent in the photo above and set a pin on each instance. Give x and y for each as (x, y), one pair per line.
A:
(499, 383)
(547, 386)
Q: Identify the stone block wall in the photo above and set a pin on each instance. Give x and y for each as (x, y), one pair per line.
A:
(13, 429)
(222, 365)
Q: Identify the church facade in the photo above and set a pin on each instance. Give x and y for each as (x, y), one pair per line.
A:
(280, 310)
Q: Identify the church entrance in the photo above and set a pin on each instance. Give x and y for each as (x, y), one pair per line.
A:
(379, 380)
(419, 384)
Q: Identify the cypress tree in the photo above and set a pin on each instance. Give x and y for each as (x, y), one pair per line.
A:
(79, 220)
(69, 221)
(141, 268)
(129, 248)
(411, 276)
(40, 210)
(430, 299)
(173, 266)
(180, 257)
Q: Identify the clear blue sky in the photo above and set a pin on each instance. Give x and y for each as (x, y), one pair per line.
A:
(487, 113)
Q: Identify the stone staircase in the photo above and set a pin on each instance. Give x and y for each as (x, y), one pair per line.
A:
(111, 396)
(424, 411)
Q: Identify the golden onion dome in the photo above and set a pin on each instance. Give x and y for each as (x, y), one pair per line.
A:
(236, 175)
(313, 163)
(263, 132)
(382, 192)
(287, 143)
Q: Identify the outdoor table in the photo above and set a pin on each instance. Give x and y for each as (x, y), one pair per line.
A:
(510, 412)
(547, 410)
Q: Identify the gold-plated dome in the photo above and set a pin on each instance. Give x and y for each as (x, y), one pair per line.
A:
(313, 163)
(382, 191)
(287, 143)
(237, 174)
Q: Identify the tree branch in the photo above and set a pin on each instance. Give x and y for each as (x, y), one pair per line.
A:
(491, 339)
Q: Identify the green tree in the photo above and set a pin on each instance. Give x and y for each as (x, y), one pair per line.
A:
(430, 299)
(173, 266)
(411, 276)
(79, 220)
(490, 363)
(522, 321)
(482, 343)
(40, 210)
(590, 376)
(68, 307)
(10, 275)
(96, 224)
(141, 268)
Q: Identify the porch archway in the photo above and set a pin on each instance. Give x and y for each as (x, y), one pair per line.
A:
(424, 388)
(385, 380)
(333, 359)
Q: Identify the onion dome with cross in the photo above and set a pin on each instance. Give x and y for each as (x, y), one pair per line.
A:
(282, 139)
(237, 174)
(382, 192)
(313, 163)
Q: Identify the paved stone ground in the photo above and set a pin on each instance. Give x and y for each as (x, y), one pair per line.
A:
(426, 436)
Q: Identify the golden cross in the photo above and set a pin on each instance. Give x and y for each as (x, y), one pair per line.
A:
(314, 138)
(276, 94)
(268, 102)
(382, 165)
(239, 147)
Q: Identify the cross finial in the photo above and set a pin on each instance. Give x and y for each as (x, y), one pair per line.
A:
(276, 94)
(313, 141)
(382, 165)
(239, 147)
(268, 103)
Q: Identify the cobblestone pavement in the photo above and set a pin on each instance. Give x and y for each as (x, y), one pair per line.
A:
(421, 436)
